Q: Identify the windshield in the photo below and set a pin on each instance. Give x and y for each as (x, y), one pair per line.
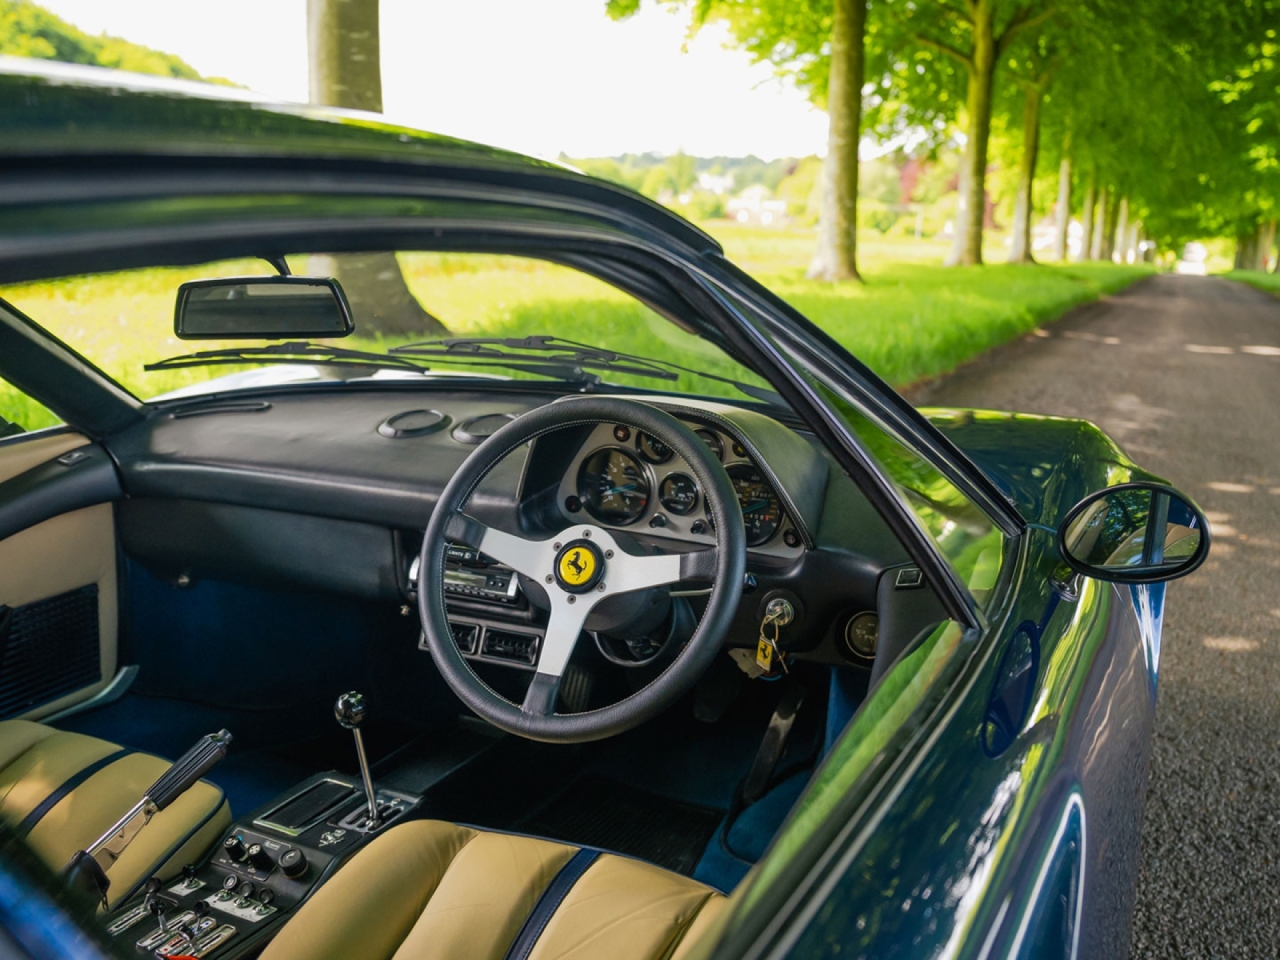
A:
(416, 315)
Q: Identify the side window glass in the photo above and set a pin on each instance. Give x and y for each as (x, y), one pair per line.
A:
(964, 534)
(20, 414)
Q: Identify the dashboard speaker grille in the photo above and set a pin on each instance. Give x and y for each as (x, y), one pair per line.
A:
(48, 649)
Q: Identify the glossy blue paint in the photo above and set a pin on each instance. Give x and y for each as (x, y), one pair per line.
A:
(1050, 926)
(38, 924)
(1148, 600)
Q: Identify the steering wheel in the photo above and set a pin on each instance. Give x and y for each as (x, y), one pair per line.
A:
(580, 566)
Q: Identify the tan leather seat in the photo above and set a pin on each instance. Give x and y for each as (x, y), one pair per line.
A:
(428, 890)
(62, 791)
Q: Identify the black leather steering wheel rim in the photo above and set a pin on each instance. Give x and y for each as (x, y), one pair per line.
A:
(724, 568)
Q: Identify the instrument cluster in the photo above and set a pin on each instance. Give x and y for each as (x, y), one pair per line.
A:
(626, 477)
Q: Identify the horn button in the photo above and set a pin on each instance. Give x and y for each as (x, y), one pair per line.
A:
(579, 566)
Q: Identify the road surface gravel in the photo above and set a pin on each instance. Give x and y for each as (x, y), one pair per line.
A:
(1184, 372)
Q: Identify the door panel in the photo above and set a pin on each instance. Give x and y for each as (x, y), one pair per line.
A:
(55, 575)
(22, 453)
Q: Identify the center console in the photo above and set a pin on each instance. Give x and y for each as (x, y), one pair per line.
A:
(264, 866)
(491, 618)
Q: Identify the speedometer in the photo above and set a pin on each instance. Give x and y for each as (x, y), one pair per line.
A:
(613, 487)
(761, 509)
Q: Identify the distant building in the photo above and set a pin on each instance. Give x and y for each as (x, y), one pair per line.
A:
(717, 183)
(755, 205)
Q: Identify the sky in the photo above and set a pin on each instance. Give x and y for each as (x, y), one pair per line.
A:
(537, 76)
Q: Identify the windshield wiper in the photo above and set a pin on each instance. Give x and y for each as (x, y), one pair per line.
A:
(573, 359)
(317, 354)
(300, 352)
(564, 360)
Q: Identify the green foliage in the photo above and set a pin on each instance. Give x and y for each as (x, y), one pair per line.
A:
(19, 413)
(801, 189)
(1174, 104)
(683, 171)
(27, 30)
(658, 181)
(790, 34)
(912, 319)
(611, 169)
(703, 206)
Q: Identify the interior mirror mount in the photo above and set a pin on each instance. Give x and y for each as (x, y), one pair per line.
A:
(1134, 533)
(262, 308)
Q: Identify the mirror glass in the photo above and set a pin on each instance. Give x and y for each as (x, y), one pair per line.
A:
(1136, 532)
(261, 308)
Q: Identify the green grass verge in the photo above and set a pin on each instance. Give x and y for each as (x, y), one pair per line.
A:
(911, 319)
(1270, 282)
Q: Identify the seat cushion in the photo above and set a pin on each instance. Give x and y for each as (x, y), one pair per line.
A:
(62, 791)
(429, 890)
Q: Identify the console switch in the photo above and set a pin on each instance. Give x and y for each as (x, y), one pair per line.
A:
(257, 857)
(293, 864)
(234, 848)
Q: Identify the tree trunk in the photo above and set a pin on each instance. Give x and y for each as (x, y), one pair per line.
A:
(1061, 246)
(837, 255)
(1245, 243)
(1099, 224)
(966, 249)
(1266, 240)
(1086, 217)
(1133, 240)
(1023, 210)
(346, 71)
(1109, 228)
(1122, 231)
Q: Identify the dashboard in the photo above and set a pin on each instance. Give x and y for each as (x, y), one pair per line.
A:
(625, 478)
(306, 490)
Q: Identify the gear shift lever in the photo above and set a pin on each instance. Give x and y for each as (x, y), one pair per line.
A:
(349, 710)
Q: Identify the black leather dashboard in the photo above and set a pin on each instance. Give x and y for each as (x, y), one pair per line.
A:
(301, 488)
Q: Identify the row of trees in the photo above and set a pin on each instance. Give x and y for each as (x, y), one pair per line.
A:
(1159, 112)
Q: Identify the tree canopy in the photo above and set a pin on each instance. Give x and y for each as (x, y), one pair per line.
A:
(1163, 114)
(27, 30)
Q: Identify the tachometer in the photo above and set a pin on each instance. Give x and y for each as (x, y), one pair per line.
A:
(613, 487)
(678, 493)
(761, 508)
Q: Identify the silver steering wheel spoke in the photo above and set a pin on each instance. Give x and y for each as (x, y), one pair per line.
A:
(530, 557)
(581, 567)
(578, 567)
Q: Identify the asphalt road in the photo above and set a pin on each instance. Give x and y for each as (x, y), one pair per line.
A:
(1184, 372)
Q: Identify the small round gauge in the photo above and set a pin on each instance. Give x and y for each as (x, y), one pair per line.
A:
(861, 634)
(678, 493)
(761, 508)
(612, 486)
(712, 440)
(652, 449)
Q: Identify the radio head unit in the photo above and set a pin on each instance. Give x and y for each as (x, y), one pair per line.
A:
(470, 575)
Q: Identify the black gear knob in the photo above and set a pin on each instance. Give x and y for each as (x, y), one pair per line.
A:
(349, 710)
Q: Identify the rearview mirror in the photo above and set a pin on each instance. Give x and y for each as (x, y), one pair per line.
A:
(261, 308)
(1134, 533)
